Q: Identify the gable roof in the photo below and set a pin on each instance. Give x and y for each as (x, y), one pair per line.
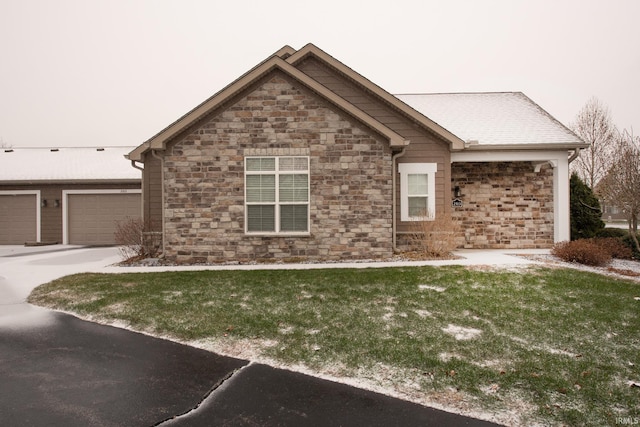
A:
(495, 120)
(274, 62)
(415, 115)
(475, 121)
(28, 165)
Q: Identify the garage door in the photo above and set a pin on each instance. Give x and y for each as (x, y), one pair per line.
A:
(18, 219)
(92, 218)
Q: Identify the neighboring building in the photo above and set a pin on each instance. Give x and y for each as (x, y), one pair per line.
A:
(303, 157)
(66, 195)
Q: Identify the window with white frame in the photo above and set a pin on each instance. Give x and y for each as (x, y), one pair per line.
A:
(277, 195)
(417, 191)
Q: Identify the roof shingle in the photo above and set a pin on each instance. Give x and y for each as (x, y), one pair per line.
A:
(493, 118)
(66, 164)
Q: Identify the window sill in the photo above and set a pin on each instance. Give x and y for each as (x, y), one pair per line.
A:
(280, 234)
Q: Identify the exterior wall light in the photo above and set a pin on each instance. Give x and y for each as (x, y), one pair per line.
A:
(457, 192)
(56, 203)
(43, 203)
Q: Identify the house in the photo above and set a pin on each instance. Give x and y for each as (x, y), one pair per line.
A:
(302, 157)
(66, 195)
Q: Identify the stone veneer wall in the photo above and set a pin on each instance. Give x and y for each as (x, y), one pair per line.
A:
(505, 205)
(350, 179)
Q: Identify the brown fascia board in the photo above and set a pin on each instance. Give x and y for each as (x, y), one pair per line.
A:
(455, 142)
(285, 52)
(158, 142)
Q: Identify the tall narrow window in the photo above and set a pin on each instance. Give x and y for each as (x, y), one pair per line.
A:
(417, 191)
(277, 194)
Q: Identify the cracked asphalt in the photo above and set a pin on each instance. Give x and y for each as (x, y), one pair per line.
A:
(58, 370)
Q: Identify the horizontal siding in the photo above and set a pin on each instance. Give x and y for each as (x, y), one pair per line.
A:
(152, 201)
(424, 147)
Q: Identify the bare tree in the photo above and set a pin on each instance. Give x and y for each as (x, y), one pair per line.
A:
(593, 124)
(621, 186)
(3, 144)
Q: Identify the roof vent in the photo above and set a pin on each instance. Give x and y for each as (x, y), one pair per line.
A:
(99, 149)
(54, 150)
(8, 151)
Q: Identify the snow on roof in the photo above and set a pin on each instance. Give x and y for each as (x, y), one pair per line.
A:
(493, 118)
(66, 164)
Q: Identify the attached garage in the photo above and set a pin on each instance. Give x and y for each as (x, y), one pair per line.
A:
(19, 217)
(92, 218)
(66, 195)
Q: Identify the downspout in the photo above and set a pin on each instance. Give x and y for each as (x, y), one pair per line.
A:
(155, 155)
(133, 163)
(393, 192)
(574, 155)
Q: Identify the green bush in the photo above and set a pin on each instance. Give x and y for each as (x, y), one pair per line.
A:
(612, 232)
(628, 241)
(583, 251)
(585, 210)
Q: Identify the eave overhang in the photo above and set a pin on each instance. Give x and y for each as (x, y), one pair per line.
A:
(275, 62)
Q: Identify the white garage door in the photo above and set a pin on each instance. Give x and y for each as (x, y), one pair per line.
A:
(92, 218)
(18, 219)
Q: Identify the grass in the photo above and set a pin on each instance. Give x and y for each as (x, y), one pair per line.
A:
(551, 346)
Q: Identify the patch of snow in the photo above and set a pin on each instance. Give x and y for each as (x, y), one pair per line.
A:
(423, 313)
(445, 357)
(461, 333)
(490, 389)
(431, 288)
(286, 330)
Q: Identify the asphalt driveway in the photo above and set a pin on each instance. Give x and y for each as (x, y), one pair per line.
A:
(56, 369)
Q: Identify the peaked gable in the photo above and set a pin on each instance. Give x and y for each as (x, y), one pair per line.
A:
(296, 58)
(274, 62)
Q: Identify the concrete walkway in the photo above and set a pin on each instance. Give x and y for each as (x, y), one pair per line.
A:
(59, 370)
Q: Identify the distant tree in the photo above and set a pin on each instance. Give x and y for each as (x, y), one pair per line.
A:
(585, 212)
(3, 144)
(593, 124)
(621, 185)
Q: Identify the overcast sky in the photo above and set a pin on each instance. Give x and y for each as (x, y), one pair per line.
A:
(115, 72)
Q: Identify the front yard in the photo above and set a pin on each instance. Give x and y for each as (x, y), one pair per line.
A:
(519, 347)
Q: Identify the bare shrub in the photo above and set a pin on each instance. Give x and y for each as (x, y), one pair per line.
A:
(615, 247)
(130, 238)
(583, 251)
(434, 238)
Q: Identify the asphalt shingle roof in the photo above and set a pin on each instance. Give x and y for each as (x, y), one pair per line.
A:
(66, 164)
(492, 118)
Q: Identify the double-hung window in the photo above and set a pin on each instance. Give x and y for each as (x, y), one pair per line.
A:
(417, 191)
(277, 195)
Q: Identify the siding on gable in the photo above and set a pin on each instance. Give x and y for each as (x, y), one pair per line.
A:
(350, 180)
(424, 146)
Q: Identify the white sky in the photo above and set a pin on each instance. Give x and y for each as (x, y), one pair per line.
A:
(115, 72)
